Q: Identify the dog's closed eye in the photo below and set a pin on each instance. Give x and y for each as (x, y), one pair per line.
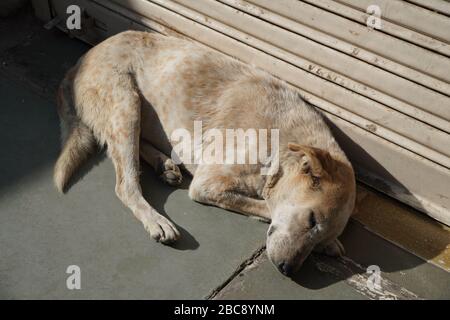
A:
(271, 230)
(312, 220)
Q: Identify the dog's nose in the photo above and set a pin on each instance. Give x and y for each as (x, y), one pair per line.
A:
(285, 268)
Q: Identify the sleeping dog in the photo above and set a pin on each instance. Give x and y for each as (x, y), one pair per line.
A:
(132, 91)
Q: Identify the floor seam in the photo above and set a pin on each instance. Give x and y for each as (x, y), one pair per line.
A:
(236, 273)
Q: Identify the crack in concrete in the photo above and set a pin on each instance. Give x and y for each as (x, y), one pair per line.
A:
(245, 265)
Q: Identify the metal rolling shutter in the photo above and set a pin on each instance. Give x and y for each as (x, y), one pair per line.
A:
(386, 92)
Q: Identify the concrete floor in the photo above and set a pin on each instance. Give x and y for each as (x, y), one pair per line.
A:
(220, 254)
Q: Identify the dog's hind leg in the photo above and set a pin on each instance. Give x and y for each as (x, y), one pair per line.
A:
(164, 167)
(123, 148)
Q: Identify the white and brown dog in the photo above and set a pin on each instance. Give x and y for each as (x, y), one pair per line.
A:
(132, 90)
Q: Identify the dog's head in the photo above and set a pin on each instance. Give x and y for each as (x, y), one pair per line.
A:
(311, 197)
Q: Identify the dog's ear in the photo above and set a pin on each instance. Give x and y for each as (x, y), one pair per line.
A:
(316, 163)
(310, 162)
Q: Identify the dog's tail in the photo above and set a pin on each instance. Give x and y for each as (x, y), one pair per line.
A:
(78, 141)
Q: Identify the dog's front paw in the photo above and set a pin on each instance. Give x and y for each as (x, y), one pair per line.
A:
(334, 249)
(171, 173)
(161, 229)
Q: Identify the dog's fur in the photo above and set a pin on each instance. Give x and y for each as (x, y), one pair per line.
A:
(132, 90)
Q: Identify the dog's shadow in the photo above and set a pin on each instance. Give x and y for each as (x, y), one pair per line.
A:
(364, 249)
